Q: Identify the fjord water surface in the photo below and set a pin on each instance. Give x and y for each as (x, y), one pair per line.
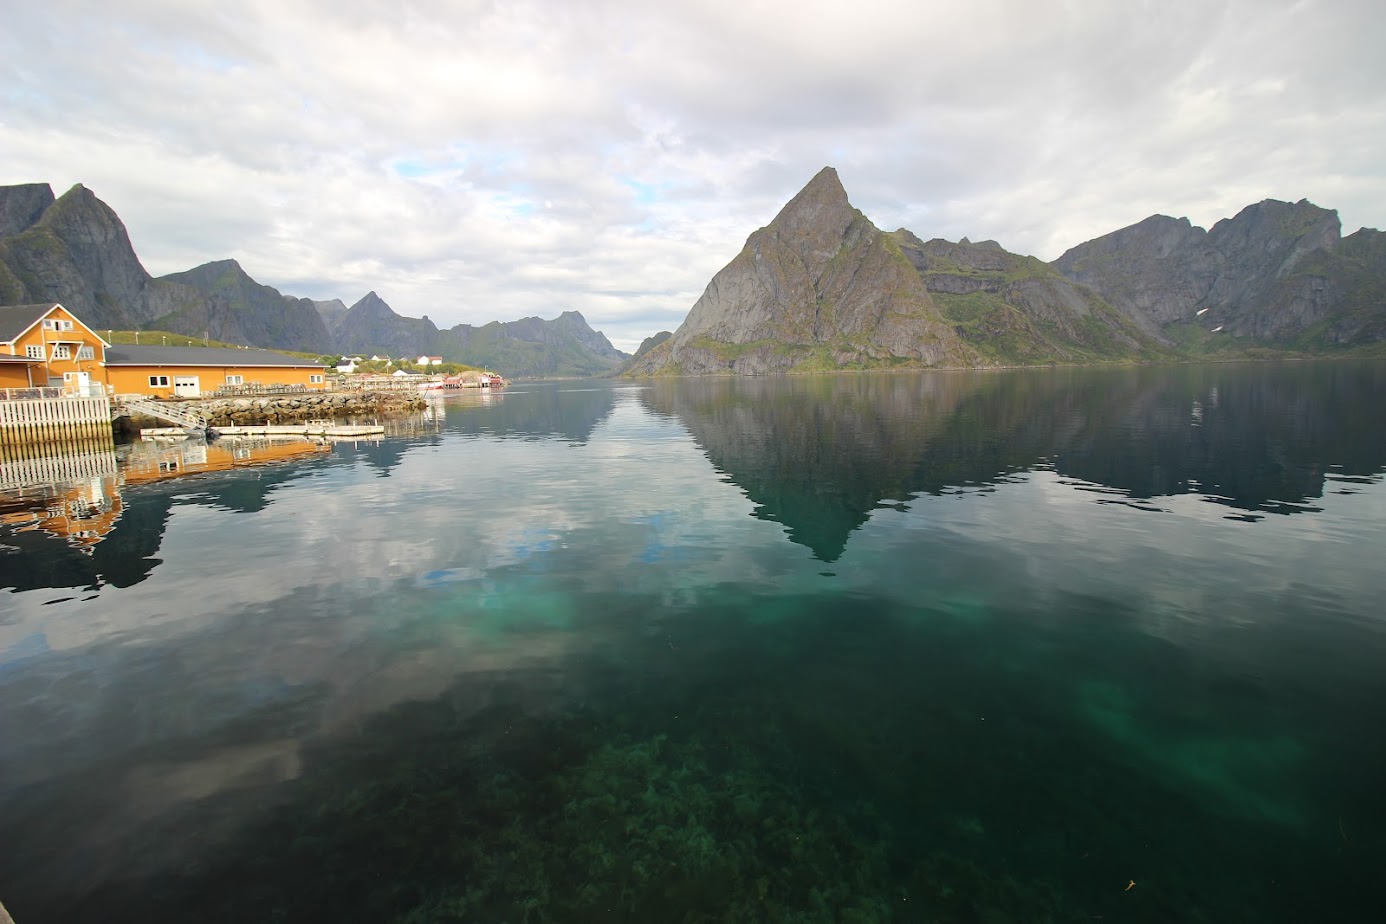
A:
(1053, 645)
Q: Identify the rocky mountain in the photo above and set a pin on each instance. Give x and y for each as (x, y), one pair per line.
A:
(1012, 309)
(821, 288)
(371, 326)
(225, 303)
(1277, 273)
(649, 343)
(22, 206)
(563, 346)
(74, 249)
(332, 312)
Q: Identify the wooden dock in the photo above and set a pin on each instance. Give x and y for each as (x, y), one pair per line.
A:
(327, 429)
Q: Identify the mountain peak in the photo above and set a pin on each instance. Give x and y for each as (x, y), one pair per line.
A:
(373, 303)
(822, 201)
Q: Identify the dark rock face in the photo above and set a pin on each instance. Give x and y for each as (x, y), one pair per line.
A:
(228, 305)
(77, 252)
(22, 206)
(562, 347)
(371, 325)
(821, 287)
(1276, 272)
(1161, 268)
(332, 312)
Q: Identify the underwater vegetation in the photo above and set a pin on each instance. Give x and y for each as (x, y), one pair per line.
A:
(537, 823)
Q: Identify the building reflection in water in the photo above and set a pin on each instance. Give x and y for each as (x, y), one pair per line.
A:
(75, 494)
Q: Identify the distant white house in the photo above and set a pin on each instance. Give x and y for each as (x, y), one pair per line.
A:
(347, 365)
(430, 360)
(379, 359)
(400, 373)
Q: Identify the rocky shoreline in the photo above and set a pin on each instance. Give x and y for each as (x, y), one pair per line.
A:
(277, 409)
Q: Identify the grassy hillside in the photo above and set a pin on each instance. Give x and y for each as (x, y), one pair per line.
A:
(165, 338)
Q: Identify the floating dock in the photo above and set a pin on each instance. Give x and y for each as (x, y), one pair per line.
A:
(308, 428)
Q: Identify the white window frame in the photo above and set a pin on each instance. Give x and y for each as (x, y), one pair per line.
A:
(86, 351)
(62, 351)
(64, 325)
(314, 380)
(235, 380)
(158, 381)
(34, 351)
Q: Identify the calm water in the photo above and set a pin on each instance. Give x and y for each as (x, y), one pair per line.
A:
(953, 647)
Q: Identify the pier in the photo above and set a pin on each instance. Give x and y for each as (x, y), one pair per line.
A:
(327, 428)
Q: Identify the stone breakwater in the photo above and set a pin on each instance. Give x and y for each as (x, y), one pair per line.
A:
(287, 409)
(224, 412)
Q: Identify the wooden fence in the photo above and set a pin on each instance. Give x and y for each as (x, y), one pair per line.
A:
(45, 418)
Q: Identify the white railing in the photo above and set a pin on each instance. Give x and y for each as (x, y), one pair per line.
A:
(171, 413)
(48, 392)
(28, 415)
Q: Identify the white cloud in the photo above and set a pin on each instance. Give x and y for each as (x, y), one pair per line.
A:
(491, 160)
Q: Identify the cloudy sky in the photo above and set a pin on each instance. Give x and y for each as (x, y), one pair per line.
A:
(474, 160)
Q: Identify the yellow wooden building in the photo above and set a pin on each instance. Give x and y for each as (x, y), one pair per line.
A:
(47, 345)
(165, 372)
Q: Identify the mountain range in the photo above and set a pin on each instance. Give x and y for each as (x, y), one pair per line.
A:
(74, 249)
(821, 287)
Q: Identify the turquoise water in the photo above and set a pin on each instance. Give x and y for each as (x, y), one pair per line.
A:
(950, 647)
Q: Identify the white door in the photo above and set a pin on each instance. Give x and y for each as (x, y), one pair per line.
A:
(185, 386)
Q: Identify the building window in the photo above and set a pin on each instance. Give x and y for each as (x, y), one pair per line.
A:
(315, 380)
(34, 351)
(62, 351)
(64, 325)
(86, 352)
(235, 380)
(158, 381)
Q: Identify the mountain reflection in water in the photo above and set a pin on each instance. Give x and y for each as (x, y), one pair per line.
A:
(819, 453)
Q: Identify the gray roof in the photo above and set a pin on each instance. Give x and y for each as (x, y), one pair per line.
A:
(130, 355)
(16, 319)
(20, 359)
